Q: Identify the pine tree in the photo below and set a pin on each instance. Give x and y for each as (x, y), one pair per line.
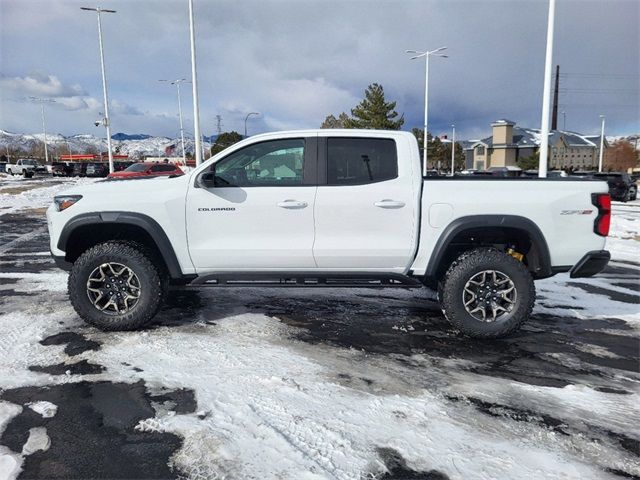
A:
(332, 122)
(224, 140)
(375, 112)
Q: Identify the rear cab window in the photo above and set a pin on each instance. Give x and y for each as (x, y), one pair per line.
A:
(360, 161)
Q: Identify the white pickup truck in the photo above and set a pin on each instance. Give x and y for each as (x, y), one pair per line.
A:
(327, 208)
(24, 166)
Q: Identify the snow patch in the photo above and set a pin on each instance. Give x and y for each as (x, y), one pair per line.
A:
(44, 408)
(38, 440)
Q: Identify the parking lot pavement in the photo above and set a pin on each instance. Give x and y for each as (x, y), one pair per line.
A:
(315, 383)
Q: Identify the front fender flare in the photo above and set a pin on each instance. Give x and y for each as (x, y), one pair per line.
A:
(145, 222)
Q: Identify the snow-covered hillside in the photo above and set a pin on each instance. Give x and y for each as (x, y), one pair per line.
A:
(136, 148)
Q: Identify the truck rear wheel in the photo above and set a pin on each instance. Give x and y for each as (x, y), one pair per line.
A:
(487, 293)
(116, 286)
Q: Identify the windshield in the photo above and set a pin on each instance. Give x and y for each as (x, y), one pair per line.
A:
(137, 167)
(29, 162)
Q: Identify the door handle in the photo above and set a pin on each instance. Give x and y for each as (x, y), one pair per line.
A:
(292, 204)
(386, 203)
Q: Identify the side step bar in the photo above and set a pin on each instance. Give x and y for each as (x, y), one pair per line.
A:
(306, 279)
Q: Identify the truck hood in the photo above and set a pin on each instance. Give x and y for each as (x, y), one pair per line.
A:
(130, 188)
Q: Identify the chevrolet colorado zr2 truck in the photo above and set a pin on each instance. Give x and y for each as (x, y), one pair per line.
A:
(327, 208)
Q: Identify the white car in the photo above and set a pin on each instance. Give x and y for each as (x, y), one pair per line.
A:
(24, 166)
(327, 208)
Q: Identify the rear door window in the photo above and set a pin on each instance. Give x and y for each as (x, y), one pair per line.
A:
(359, 161)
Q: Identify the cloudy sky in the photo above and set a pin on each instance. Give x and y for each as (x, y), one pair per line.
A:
(298, 61)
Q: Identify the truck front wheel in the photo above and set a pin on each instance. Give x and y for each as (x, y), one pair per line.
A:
(487, 293)
(116, 286)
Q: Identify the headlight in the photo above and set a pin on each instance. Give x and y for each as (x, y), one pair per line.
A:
(63, 202)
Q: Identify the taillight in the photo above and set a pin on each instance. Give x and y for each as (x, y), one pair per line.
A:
(603, 220)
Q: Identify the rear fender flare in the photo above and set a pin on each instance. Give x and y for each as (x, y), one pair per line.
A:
(459, 225)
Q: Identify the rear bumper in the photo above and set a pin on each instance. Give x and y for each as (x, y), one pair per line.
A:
(591, 264)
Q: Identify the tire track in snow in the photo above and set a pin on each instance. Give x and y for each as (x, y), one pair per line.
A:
(22, 238)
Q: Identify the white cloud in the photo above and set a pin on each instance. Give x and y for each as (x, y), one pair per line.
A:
(39, 84)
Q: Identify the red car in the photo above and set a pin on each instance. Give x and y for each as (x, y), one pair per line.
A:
(147, 169)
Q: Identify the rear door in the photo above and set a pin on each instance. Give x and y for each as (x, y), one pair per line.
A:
(366, 208)
(259, 216)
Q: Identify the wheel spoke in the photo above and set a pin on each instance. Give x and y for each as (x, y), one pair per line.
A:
(113, 288)
(489, 295)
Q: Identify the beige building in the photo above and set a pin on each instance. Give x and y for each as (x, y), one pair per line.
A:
(508, 144)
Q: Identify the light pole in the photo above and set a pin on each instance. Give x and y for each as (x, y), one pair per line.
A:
(42, 101)
(564, 120)
(245, 121)
(177, 84)
(107, 119)
(601, 144)
(427, 54)
(194, 83)
(546, 94)
(453, 150)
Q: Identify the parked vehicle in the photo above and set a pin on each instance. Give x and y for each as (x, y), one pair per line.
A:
(621, 185)
(3, 167)
(505, 171)
(24, 166)
(147, 169)
(119, 165)
(97, 169)
(61, 169)
(583, 173)
(550, 173)
(327, 208)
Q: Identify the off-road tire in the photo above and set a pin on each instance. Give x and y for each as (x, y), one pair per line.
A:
(464, 268)
(153, 282)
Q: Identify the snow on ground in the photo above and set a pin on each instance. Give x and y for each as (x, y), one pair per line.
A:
(34, 194)
(326, 383)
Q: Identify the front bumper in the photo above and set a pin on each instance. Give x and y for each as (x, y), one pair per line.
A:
(591, 264)
(61, 262)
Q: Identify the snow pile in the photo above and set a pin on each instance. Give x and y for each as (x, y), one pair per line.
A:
(624, 236)
(40, 196)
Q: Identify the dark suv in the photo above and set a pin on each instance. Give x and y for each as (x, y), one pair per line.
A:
(621, 185)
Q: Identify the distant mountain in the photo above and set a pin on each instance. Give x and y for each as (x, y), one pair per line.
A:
(136, 146)
(125, 136)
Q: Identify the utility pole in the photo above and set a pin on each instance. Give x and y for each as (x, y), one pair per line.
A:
(426, 54)
(453, 151)
(564, 120)
(194, 84)
(42, 101)
(554, 113)
(601, 144)
(177, 84)
(219, 124)
(107, 119)
(546, 94)
(245, 121)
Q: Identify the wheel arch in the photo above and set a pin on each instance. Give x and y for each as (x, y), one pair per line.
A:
(88, 229)
(472, 231)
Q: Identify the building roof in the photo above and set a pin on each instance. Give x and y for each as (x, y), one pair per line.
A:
(530, 138)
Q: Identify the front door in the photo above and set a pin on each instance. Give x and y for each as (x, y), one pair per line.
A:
(259, 214)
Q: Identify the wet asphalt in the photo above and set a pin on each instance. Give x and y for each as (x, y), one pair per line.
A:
(95, 420)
